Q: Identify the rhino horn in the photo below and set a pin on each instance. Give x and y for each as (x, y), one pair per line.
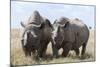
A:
(61, 25)
(35, 25)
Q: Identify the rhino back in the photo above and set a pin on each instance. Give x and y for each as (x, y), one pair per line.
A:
(76, 31)
(80, 30)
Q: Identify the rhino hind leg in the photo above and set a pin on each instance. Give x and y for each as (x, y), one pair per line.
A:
(65, 53)
(83, 49)
(27, 53)
(77, 51)
(66, 48)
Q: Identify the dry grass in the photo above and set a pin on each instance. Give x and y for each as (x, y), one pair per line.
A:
(18, 58)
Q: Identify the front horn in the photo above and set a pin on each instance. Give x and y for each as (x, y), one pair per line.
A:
(35, 25)
(62, 25)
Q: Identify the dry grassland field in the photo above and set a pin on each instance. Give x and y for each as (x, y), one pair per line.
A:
(17, 55)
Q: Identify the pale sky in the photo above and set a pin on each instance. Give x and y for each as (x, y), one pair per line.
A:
(20, 11)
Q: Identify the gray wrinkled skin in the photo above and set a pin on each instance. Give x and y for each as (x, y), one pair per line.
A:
(69, 34)
(36, 35)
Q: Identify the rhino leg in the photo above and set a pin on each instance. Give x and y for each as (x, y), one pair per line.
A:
(83, 49)
(77, 51)
(44, 48)
(66, 48)
(65, 53)
(39, 52)
(33, 51)
(27, 53)
(55, 51)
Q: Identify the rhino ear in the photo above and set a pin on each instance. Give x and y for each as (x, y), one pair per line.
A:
(55, 21)
(48, 22)
(42, 25)
(23, 25)
(66, 24)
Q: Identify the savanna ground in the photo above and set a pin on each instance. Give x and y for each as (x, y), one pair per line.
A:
(17, 56)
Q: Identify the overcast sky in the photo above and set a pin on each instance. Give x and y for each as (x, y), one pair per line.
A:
(20, 11)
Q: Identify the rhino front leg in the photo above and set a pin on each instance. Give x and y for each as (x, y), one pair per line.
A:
(44, 50)
(39, 52)
(66, 48)
(55, 51)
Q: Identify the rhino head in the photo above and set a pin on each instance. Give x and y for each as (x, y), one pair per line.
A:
(58, 34)
(31, 37)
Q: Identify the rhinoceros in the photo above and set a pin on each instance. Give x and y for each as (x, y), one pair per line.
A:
(36, 35)
(69, 34)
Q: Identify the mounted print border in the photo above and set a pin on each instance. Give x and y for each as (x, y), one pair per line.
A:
(39, 33)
